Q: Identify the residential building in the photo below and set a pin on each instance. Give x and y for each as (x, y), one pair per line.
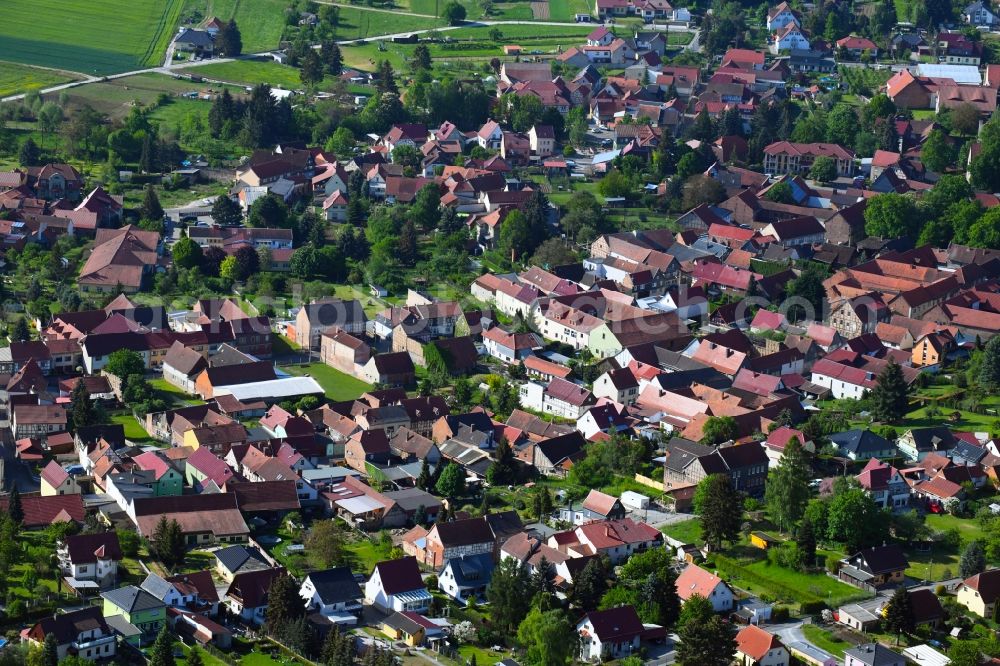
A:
(83, 632)
(872, 654)
(695, 580)
(396, 585)
(334, 593)
(609, 634)
(874, 568)
(757, 647)
(979, 593)
(139, 608)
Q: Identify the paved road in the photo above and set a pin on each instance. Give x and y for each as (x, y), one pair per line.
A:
(694, 46)
(171, 68)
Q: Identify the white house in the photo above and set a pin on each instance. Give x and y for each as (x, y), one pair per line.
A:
(617, 385)
(979, 14)
(334, 594)
(609, 634)
(788, 38)
(464, 578)
(780, 16)
(695, 580)
(91, 557)
(395, 585)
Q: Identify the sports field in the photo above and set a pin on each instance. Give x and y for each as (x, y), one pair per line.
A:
(88, 36)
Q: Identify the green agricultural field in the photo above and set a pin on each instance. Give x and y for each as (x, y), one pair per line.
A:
(261, 22)
(21, 78)
(93, 37)
(359, 23)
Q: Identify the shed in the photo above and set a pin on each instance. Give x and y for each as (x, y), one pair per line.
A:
(633, 500)
(762, 540)
(857, 617)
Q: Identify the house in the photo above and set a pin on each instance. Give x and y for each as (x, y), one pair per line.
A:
(343, 351)
(510, 347)
(319, 316)
(979, 593)
(872, 654)
(554, 456)
(980, 15)
(465, 578)
(688, 463)
(91, 557)
(193, 592)
(757, 647)
(616, 539)
(874, 568)
(182, 365)
(609, 634)
(410, 627)
(333, 593)
(396, 585)
(618, 385)
(84, 633)
(858, 617)
(917, 443)
(857, 46)
(468, 537)
(786, 157)
(121, 261)
(37, 420)
(789, 38)
(542, 140)
(695, 580)
(389, 369)
(596, 506)
(57, 481)
(139, 608)
(780, 16)
(246, 596)
(858, 444)
(927, 609)
(884, 484)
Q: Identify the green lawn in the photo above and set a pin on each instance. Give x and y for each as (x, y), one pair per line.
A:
(172, 393)
(16, 78)
(825, 640)
(338, 386)
(359, 23)
(566, 10)
(252, 72)
(92, 36)
(133, 431)
(688, 531)
(261, 22)
(819, 585)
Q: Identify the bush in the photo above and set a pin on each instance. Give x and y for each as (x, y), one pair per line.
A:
(832, 564)
(780, 614)
(431, 582)
(812, 607)
(16, 609)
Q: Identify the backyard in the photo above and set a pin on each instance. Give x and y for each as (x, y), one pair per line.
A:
(337, 385)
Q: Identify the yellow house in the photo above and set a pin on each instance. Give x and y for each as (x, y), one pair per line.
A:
(409, 627)
(979, 593)
(930, 350)
(56, 481)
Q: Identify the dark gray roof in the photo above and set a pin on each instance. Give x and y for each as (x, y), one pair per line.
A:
(874, 654)
(132, 599)
(335, 585)
(860, 442)
(156, 586)
(193, 37)
(235, 557)
(472, 570)
(682, 452)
